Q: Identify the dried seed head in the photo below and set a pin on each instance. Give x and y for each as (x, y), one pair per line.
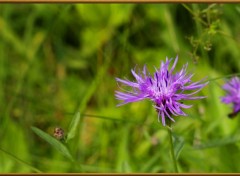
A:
(58, 133)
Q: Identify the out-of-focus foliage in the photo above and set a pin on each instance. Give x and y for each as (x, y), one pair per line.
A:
(59, 59)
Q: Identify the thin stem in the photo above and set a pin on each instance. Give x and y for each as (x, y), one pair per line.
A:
(172, 149)
(20, 161)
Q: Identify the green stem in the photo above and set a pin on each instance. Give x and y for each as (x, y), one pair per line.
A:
(172, 149)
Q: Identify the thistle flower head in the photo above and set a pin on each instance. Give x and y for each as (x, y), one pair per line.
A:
(165, 89)
(232, 88)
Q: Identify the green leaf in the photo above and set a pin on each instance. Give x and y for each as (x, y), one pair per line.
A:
(218, 142)
(73, 126)
(54, 142)
(178, 145)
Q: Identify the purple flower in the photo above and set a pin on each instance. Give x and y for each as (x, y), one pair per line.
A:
(165, 89)
(232, 88)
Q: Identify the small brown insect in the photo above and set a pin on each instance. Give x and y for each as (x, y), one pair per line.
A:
(58, 133)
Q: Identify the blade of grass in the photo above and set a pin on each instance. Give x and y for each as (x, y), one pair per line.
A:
(20, 161)
(123, 155)
(73, 126)
(218, 142)
(81, 106)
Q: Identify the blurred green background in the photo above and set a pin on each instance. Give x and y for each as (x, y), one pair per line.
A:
(58, 59)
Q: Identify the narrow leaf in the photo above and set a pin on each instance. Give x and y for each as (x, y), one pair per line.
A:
(73, 126)
(54, 142)
(178, 145)
(218, 142)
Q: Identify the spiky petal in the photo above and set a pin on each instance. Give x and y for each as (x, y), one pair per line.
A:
(165, 89)
(232, 88)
